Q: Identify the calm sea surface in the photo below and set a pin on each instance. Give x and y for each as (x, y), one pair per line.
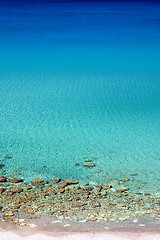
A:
(81, 81)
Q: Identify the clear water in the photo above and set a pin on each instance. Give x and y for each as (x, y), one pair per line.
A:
(78, 81)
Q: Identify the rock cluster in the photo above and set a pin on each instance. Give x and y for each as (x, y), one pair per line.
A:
(68, 198)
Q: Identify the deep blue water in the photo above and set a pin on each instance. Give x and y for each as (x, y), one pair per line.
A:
(81, 80)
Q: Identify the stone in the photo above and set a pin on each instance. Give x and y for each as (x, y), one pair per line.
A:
(52, 189)
(8, 214)
(104, 193)
(133, 174)
(7, 157)
(67, 225)
(76, 164)
(87, 188)
(106, 186)
(2, 190)
(89, 164)
(27, 197)
(3, 179)
(21, 220)
(96, 205)
(124, 179)
(1, 165)
(92, 219)
(38, 181)
(16, 189)
(7, 219)
(61, 190)
(62, 184)
(122, 189)
(32, 225)
(30, 211)
(15, 180)
(98, 186)
(55, 180)
(71, 181)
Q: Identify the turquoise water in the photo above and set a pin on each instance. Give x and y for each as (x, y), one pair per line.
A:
(81, 81)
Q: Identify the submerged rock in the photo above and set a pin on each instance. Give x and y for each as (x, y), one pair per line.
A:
(16, 189)
(89, 164)
(38, 181)
(55, 180)
(1, 165)
(7, 157)
(122, 189)
(124, 179)
(2, 190)
(106, 186)
(3, 179)
(15, 180)
(62, 184)
(70, 181)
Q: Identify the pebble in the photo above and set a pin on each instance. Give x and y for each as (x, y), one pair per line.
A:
(21, 220)
(122, 219)
(135, 220)
(141, 225)
(67, 225)
(32, 225)
(57, 221)
(92, 219)
(83, 221)
(8, 214)
(22, 224)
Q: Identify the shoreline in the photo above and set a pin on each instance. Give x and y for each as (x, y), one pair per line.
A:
(70, 209)
(45, 230)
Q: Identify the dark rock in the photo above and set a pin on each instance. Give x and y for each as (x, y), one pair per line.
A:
(7, 157)
(1, 165)
(2, 190)
(3, 179)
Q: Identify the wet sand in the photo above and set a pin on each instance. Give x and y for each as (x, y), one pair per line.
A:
(44, 228)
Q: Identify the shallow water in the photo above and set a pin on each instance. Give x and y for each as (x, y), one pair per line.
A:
(81, 81)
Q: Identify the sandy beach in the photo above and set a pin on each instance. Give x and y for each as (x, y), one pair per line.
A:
(5, 235)
(44, 229)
